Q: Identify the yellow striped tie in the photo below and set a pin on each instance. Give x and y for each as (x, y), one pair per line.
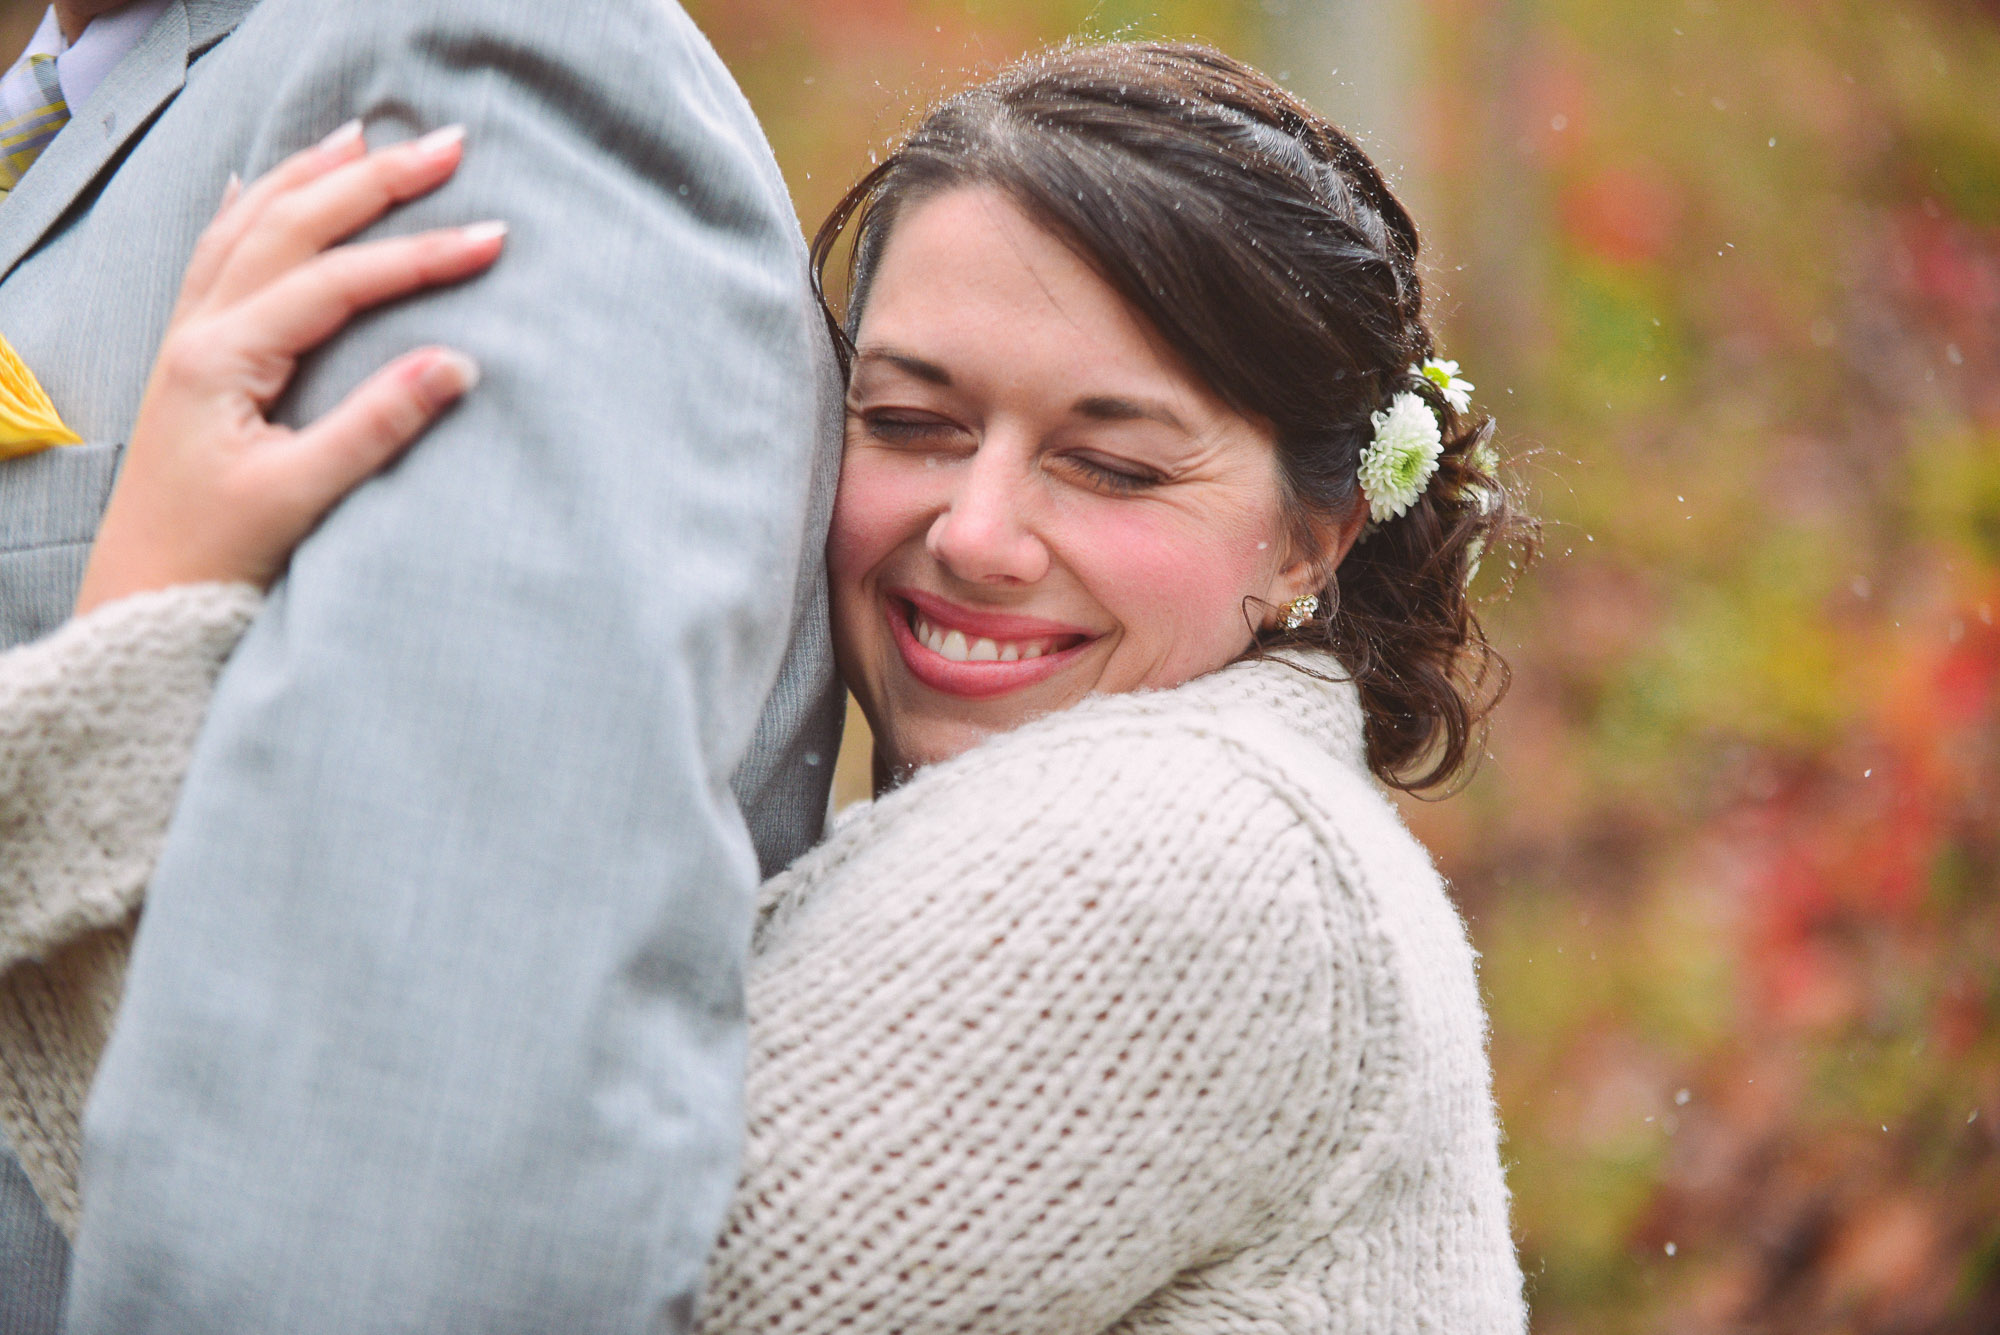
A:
(23, 138)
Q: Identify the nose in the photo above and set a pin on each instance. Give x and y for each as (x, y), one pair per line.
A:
(983, 535)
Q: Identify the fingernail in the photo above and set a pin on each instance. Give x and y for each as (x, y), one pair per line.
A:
(342, 139)
(474, 233)
(438, 141)
(452, 373)
(232, 190)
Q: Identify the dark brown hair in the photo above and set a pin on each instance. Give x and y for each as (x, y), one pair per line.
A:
(1269, 252)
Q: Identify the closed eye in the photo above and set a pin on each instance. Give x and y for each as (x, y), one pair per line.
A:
(900, 428)
(1121, 478)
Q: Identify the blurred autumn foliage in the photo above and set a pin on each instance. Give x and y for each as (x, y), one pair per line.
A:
(1729, 276)
(1735, 270)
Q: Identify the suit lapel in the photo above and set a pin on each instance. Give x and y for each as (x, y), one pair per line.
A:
(121, 108)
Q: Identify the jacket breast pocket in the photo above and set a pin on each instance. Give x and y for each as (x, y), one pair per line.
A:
(49, 507)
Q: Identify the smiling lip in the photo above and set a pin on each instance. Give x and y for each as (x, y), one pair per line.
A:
(1040, 648)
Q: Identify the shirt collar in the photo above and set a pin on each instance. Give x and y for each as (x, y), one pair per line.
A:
(106, 40)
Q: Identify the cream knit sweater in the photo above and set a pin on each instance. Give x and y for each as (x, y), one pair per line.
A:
(96, 723)
(1150, 1016)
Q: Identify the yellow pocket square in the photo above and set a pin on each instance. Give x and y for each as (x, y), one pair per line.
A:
(28, 421)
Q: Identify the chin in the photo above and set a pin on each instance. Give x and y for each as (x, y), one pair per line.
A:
(934, 741)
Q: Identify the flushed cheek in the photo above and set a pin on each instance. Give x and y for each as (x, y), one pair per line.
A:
(1177, 596)
(874, 512)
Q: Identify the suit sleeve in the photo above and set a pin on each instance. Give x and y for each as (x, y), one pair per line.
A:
(434, 1021)
(1051, 1034)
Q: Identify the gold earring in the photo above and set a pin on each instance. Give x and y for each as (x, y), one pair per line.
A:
(1300, 610)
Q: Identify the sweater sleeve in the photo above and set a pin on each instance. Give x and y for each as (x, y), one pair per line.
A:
(1048, 1027)
(96, 724)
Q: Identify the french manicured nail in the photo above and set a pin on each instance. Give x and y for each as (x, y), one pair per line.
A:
(440, 141)
(450, 374)
(342, 139)
(474, 233)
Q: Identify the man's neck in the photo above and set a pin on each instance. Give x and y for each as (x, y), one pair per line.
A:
(73, 16)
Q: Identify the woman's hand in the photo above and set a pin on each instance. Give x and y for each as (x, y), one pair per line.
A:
(211, 490)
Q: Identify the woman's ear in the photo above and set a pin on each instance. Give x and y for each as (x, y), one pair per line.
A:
(1330, 540)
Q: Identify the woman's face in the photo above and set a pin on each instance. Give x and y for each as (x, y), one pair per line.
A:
(1039, 500)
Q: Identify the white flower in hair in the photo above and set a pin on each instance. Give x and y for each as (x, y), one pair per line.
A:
(1443, 374)
(1400, 460)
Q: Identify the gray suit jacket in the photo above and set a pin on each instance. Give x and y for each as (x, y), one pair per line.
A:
(434, 1020)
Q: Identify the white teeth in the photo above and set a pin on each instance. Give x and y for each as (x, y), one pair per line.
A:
(955, 647)
(927, 635)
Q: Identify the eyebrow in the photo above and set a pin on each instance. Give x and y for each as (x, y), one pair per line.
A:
(916, 366)
(1109, 408)
(1098, 407)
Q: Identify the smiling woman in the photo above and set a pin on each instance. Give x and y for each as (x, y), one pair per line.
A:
(1156, 280)
(1128, 1004)
(1039, 499)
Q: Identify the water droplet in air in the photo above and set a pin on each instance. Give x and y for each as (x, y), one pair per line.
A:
(1681, 1098)
(1671, 1249)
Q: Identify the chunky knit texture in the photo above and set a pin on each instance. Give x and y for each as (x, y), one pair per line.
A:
(1148, 1017)
(96, 723)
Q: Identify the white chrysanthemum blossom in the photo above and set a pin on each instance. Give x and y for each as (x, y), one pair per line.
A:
(1443, 374)
(1399, 462)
